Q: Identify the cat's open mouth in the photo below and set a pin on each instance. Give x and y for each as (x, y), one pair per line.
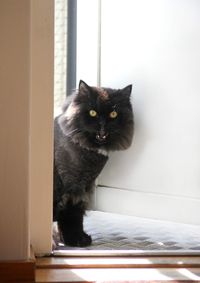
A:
(101, 139)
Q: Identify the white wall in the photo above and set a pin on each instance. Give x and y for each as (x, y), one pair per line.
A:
(155, 45)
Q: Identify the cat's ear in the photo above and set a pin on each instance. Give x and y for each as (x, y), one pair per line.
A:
(83, 87)
(127, 91)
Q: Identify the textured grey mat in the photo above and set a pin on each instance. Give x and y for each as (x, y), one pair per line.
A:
(119, 232)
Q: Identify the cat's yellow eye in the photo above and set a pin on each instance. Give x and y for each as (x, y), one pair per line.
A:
(93, 113)
(113, 114)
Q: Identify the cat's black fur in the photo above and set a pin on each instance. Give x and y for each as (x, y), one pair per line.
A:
(81, 145)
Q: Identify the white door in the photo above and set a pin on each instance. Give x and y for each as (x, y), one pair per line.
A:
(155, 45)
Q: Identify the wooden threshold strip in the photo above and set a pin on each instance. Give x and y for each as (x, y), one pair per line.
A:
(118, 262)
(118, 269)
(116, 275)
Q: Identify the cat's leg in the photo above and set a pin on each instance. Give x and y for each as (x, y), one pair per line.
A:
(70, 202)
(70, 224)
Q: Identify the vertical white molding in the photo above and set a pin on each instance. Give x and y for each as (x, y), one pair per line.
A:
(41, 123)
(99, 45)
(60, 55)
(87, 41)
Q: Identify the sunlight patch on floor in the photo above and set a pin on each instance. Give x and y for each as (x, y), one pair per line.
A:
(120, 232)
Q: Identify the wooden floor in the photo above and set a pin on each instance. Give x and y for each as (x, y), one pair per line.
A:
(118, 269)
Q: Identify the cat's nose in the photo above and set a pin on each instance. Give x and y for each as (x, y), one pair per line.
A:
(103, 133)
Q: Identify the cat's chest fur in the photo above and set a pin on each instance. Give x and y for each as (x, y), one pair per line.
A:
(88, 163)
(78, 162)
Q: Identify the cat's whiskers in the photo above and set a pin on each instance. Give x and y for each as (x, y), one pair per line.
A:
(72, 132)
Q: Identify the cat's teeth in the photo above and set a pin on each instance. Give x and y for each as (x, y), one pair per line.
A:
(98, 137)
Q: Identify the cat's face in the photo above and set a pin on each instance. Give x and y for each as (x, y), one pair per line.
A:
(99, 118)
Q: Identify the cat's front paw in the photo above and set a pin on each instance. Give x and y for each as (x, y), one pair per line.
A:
(77, 239)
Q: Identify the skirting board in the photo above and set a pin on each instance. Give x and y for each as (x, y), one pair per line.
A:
(149, 205)
(22, 271)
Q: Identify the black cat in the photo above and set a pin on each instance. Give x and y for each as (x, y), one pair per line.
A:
(94, 121)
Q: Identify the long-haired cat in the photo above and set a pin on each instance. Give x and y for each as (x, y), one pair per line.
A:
(94, 122)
